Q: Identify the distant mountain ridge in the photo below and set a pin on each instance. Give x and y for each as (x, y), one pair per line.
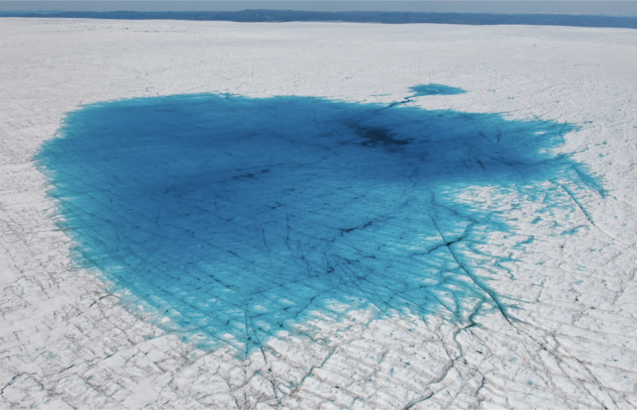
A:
(20, 13)
(281, 16)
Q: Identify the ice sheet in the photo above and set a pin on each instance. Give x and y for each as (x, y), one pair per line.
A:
(556, 248)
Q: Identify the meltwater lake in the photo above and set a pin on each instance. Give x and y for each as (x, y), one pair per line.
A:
(240, 217)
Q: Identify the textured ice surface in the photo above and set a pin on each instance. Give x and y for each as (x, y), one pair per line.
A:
(68, 341)
(240, 217)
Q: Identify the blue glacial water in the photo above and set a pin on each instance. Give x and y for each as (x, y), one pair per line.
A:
(240, 217)
(434, 89)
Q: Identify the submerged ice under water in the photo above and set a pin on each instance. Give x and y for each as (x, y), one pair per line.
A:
(240, 217)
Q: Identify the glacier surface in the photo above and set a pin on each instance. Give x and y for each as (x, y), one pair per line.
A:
(507, 215)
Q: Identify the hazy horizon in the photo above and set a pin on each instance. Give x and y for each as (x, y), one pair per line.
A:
(628, 8)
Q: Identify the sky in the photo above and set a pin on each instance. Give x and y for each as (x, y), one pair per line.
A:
(627, 7)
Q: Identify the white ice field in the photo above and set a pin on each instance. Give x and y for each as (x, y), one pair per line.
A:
(69, 339)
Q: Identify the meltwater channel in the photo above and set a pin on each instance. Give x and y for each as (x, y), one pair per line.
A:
(240, 217)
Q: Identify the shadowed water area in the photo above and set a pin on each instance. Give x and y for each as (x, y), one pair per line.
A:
(240, 217)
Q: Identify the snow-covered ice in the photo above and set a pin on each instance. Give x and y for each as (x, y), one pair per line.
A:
(327, 230)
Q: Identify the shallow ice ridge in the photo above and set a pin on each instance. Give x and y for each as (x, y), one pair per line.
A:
(240, 217)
